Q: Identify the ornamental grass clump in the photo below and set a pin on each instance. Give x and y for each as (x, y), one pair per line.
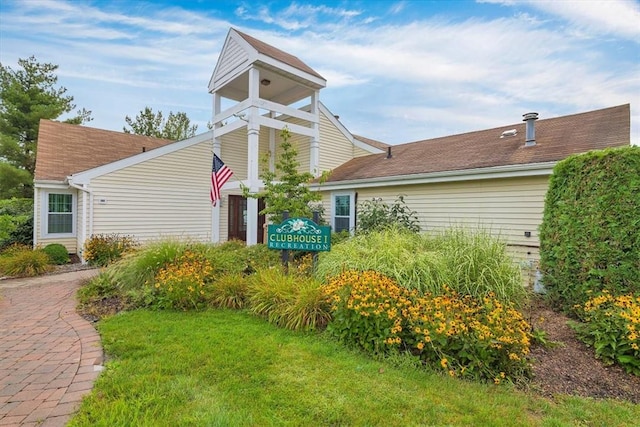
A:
(612, 326)
(22, 261)
(183, 284)
(287, 300)
(466, 337)
(229, 291)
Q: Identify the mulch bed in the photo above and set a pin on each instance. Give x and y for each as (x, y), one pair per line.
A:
(569, 366)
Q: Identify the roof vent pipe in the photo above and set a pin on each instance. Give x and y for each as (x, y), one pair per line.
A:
(389, 153)
(530, 119)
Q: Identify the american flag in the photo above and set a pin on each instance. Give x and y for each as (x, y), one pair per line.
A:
(219, 175)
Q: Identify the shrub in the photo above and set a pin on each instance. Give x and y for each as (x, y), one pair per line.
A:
(612, 327)
(470, 338)
(589, 238)
(57, 253)
(16, 222)
(288, 301)
(467, 337)
(375, 215)
(103, 249)
(367, 310)
(182, 284)
(21, 262)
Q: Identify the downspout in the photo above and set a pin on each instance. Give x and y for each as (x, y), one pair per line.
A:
(83, 233)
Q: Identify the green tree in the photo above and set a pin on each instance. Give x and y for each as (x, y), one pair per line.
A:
(285, 189)
(27, 95)
(177, 126)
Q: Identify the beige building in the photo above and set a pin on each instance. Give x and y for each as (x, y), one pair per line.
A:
(91, 181)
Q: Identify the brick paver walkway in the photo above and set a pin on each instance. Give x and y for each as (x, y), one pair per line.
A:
(49, 355)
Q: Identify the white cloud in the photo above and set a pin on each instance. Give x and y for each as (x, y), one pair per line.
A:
(390, 80)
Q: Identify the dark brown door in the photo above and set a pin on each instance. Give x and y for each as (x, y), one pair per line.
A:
(238, 219)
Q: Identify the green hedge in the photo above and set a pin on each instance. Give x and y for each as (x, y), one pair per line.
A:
(16, 222)
(590, 233)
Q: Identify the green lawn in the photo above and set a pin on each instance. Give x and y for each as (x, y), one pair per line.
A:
(227, 368)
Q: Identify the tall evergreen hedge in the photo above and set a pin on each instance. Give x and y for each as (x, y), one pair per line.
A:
(590, 233)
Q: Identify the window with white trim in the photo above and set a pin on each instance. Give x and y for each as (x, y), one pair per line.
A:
(60, 214)
(343, 211)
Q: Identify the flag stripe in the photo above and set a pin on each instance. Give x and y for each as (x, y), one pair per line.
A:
(220, 174)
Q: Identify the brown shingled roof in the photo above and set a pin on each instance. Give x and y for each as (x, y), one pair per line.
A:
(65, 149)
(372, 142)
(556, 139)
(275, 53)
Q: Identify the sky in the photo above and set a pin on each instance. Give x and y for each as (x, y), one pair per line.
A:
(396, 71)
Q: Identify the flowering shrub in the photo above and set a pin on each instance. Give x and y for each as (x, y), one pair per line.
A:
(470, 338)
(464, 336)
(612, 327)
(103, 249)
(367, 310)
(183, 283)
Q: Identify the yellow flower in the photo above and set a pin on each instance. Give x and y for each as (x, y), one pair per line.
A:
(420, 345)
(444, 362)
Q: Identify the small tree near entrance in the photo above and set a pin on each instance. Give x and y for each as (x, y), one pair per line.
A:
(285, 189)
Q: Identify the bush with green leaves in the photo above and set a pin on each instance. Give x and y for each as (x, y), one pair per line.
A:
(375, 214)
(16, 222)
(58, 253)
(22, 261)
(471, 262)
(104, 249)
(466, 337)
(589, 239)
(612, 327)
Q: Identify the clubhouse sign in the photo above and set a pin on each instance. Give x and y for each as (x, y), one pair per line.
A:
(299, 234)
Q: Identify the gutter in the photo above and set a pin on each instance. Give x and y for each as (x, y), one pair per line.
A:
(509, 171)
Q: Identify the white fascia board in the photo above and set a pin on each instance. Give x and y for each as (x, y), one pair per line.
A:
(509, 171)
(315, 82)
(43, 183)
(86, 176)
(345, 131)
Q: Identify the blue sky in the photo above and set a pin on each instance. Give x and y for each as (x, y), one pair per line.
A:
(397, 71)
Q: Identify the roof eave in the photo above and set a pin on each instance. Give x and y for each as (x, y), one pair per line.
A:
(507, 171)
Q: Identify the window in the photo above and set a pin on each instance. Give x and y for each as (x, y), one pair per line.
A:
(343, 210)
(59, 214)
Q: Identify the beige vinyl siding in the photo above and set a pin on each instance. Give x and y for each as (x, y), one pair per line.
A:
(508, 207)
(167, 196)
(234, 56)
(359, 152)
(335, 148)
(69, 242)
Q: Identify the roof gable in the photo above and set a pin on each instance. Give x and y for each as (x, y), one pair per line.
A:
(65, 149)
(241, 51)
(556, 139)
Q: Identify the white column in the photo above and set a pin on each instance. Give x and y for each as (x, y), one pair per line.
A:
(215, 211)
(314, 157)
(272, 145)
(253, 141)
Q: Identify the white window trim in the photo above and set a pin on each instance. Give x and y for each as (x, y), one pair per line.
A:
(44, 214)
(352, 209)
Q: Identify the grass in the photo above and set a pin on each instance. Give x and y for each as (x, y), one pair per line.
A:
(469, 261)
(229, 368)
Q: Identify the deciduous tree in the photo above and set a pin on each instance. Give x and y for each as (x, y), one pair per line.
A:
(177, 126)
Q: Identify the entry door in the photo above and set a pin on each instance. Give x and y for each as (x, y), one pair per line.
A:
(238, 219)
